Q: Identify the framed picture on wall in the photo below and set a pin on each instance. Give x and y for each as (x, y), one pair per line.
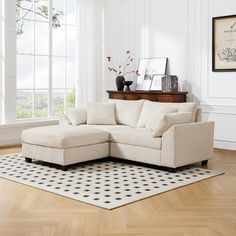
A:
(224, 43)
(147, 68)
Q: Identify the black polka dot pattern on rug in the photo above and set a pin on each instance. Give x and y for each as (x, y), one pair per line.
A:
(105, 184)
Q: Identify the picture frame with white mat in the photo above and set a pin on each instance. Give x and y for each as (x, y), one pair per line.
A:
(149, 67)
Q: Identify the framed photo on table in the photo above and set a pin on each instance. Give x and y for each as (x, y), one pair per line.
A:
(147, 68)
(156, 83)
(224, 43)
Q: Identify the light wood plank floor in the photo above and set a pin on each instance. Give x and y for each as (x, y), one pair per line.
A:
(204, 208)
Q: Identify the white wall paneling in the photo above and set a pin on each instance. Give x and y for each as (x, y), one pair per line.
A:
(182, 31)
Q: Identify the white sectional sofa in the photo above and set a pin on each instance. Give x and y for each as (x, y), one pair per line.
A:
(164, 134)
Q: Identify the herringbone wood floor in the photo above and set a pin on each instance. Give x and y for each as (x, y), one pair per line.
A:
(204, 208)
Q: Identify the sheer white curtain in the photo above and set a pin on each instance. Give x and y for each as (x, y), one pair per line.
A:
(90, 50)
(1, 115)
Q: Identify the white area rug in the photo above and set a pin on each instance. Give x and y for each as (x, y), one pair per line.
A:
(105, 184)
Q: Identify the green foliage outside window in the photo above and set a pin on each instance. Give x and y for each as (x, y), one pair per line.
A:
(40, 10)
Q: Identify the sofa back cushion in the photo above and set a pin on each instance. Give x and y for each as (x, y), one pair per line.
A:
(168, 120)
(127, 112)
(149, 108)
(77, 116)
(101, 114)
(189, 107)
(156, 116)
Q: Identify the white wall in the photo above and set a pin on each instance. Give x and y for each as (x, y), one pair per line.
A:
(181, 31)
(215, 90)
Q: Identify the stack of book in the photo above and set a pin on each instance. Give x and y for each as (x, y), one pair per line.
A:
(170, 83)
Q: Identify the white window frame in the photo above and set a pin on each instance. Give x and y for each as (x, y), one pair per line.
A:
(50, 88)
(9, 61)
(8, 65)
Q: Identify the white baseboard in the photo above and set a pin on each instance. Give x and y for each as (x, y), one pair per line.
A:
(225, 145)
(10, 142)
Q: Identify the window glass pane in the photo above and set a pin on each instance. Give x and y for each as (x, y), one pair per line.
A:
(57, 102)
(25, 71)
(70, 98)
(58, 10)
(24, 104)
(25, 37)
(41, 72)
(24, 9)
(70, 41)
(71, 12)
(41, 10)
(33, 64)
(58, 72)
(58, 41)
(41, 103)
(71, 72)
(41, 38)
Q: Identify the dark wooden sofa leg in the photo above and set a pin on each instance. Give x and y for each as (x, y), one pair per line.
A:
(204, 163)
(28, 160)
(64, 168)
(171, 170)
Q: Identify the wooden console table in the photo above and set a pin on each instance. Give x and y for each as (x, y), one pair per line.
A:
(149, 95)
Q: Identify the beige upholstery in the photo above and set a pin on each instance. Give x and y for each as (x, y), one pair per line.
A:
(66, 156)
(101, 114)
(169, 120)
(150, 107)
(127, 112)
(135, 153)
(188, 107)
(64, 120)
(180, 145)
(76, 116)
(187, 143)
(58, 136)
(157, 115)
(137, 137)
(109, 128)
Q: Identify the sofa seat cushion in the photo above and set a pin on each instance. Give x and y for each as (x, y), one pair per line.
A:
(59, 136)
(109, 128)
(137, 137)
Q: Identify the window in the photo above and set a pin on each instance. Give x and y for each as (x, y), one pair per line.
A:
(46, 58)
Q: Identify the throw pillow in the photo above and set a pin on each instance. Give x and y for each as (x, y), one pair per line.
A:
(148, 109)
(156, 116)
(127, 112)
(77, 116)
(101, 114)
(168, 120)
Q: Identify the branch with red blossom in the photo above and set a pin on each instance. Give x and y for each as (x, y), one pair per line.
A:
(118, 70)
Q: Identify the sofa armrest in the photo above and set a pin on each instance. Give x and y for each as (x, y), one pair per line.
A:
(63, 120)
(185, 144)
